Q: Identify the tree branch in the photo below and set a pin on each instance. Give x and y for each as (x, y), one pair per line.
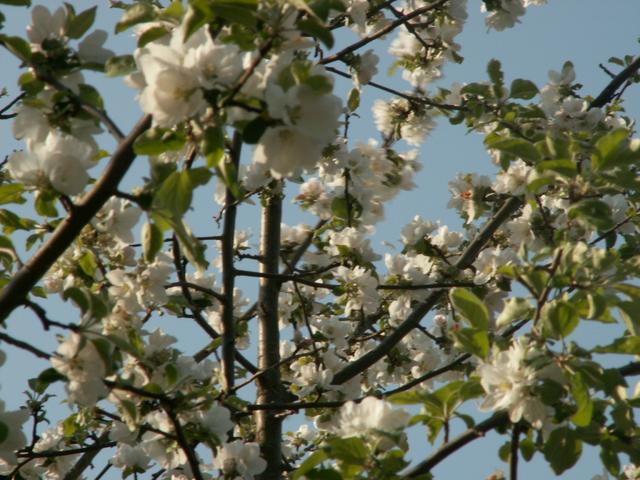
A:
(270, 389)
(610, 90)
(228, 273)
(69, 229)
(382, 32)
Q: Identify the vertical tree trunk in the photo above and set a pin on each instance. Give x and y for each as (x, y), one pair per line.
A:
(269, 425)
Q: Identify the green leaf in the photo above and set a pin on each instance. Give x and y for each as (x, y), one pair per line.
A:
(564, 167)
(354, 100)
(90, 95)
(4, 432)
(630, 313)
(16, 3)
(18, 46)
(152, 34)
(527, 448)
(518, 147)
(470, 307)
(313, 460)
(614, 150)
(46, 378)
(629, 345)
(77, 25)
(136, 13)
(316, 29)
(351, 450)
(157, 141)
(152, 241)
(473, 341)
(198, 14)
(580, 392)
(253, 130)
(87, 263)
(192, 248)
(562, 449)
(241, 12)
(79, 297)
(212, 146)
(524, 89)
(11, 193)
(119, 65)
(175, 194)
(594, 211)
(559, 318)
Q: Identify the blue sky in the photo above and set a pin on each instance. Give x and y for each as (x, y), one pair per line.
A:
(587, 32)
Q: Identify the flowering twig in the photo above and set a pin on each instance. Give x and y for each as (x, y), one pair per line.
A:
(24, 346)
(466, 259)
(382, 32)
(69, 229)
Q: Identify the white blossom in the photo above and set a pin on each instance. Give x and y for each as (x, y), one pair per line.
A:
(242, 459)
(508, 381)
(371, 419)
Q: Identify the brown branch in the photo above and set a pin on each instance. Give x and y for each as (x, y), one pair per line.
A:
(198, 288)
(609, 92)
(496, 420)
(27, 277)
(24, 346)
(513, 456)
(228, 273)
(269, 386)
(382, 32)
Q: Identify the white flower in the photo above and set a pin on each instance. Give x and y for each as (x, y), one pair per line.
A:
(286, 151)
(398, 118)
(216, 420)
(506, 15)
(417, 230)
(631, 472)
(514, 180)
(242, 459)
(117, 217)
(61, 161)
(90, 49)
(489, 261)
(45, 25)
(369, 418)
(14, 438)
(366, 67)
(215, 64)
(171, 91)
(78, 359)
(360, 290)
(127, 456)
(508, 381)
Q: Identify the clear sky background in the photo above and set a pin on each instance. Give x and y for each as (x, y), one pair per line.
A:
(587, 32)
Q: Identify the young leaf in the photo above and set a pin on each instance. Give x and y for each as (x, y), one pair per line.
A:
(470, 307)
(77, 25)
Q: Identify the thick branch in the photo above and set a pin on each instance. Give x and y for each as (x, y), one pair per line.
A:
(610, 90)
(269, 425)
(27, 277)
